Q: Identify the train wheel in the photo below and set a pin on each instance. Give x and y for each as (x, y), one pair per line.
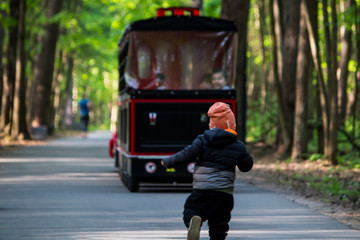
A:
(133, 184)
(116, 158)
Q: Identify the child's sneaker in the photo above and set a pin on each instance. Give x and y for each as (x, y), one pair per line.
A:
(194, 228)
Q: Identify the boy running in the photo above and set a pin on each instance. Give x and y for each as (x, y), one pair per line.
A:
(216, 154)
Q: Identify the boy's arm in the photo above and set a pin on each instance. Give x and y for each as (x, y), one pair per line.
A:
(246, 162)
(186, 155)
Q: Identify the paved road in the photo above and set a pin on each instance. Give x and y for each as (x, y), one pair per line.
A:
(68, 189)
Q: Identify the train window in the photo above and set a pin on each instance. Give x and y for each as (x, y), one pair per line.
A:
(184, 57)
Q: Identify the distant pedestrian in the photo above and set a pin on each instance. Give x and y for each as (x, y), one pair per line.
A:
(85, 106)
(216, 154)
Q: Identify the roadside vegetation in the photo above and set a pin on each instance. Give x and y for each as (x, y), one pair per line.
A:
(312, 174)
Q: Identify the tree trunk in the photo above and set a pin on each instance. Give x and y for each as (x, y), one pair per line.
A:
(276, 16)
(7, 109)
(277, 13)
(2, 37)
(330, 150)
(59, 70)
(4, 100)
(342, 72)
(356, 111)
(328, 98)
(69, 115)
(238, 11)
(302, 76)
(19, 129)
(34, 40)
(357, 74)
(284, 137)
(264, 71)
(310, 14)
(319, 122)
(44, 67)
(291, 36)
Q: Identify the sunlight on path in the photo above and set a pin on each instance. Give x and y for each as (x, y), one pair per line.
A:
(69, 189)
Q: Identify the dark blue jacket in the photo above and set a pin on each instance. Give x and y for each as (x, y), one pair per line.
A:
(216, 153)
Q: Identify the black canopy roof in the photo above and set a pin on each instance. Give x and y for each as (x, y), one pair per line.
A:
(182, 23)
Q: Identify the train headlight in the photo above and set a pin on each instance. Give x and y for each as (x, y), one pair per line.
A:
(150, 167)
(191, 167)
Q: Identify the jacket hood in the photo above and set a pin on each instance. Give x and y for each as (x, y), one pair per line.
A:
(219, 137)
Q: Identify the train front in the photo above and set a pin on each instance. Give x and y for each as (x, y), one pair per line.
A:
(172, 69)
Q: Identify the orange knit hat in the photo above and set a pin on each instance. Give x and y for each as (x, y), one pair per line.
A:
(221, 116)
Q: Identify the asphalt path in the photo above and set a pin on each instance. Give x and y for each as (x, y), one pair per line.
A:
(69, 189)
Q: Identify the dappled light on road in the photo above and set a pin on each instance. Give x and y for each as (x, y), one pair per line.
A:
(70, 190)
(60, 177)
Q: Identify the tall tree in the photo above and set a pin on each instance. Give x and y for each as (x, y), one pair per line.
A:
(310, 14)
(342, 72)
(58, 75)
(330, 150)
(290, 50)
(69, 115)
(328, 96)
(265, 67)
(9, 81)
(277, 15)
(44, 67)
(302, 76)
(65, 59)
(2, 37)
(277, 69)
(238, 11)
(357, 73)
(19, 129)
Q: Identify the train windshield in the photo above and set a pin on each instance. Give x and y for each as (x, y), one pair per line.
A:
(180, 60)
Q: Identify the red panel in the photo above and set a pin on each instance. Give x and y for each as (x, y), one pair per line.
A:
(177, 11)
(232, 101)
(132, 128)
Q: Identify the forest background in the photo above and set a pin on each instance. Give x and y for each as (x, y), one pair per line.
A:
(297, 62)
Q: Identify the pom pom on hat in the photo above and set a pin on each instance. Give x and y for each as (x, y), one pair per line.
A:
(221, 116)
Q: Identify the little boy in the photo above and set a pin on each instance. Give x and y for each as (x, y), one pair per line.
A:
(218, 80)
(216, 153)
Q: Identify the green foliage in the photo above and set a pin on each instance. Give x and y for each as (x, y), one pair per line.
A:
(90, 32)
(261, 125)
(316, 156)
(348, 156)
(212, 8)
(90, 36)
(262, 113)
(6, 21)
(350, 160)
(35, 27)
(332, 186)
(4, 6)
(329, 184)
(349, 17)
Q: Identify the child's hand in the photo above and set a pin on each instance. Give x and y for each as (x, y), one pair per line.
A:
(162, 163)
